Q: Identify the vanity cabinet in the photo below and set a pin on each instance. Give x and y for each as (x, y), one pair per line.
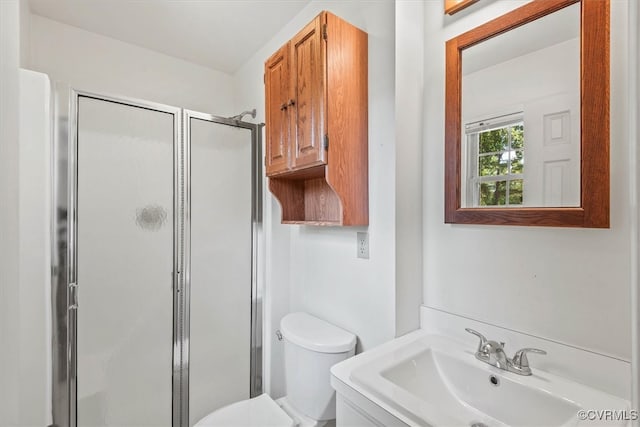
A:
(316, 93)
(350, 414)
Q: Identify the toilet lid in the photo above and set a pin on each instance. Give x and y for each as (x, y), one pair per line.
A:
(315, 334)
(260, 411)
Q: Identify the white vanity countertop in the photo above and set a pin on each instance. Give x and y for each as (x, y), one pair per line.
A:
(427, 379)
(342, 383)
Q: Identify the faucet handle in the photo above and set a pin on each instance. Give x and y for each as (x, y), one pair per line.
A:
(520, 358)
(483, 340)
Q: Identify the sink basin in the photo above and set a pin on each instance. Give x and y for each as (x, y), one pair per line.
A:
(470, 393)
(436, 381)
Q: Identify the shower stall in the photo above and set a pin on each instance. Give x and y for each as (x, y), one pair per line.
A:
(155, 299)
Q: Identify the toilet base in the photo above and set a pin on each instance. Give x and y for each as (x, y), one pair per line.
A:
(300, 419)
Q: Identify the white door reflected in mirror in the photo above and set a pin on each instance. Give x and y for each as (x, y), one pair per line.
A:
(521, 116)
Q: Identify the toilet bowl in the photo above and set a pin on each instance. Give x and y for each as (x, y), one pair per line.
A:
(312, 347)
(299, 419)
(258, 411)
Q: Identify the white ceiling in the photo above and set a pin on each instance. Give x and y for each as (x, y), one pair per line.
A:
(219, 34)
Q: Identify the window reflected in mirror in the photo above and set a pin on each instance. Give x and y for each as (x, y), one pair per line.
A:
(495, 162)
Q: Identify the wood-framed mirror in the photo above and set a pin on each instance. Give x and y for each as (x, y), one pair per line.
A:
(527, 118)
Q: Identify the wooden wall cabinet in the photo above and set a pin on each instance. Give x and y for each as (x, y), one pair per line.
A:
(316, 156)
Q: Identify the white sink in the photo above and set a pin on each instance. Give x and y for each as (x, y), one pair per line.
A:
(434, 380)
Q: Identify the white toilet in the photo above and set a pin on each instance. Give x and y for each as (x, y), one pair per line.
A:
(312, 346)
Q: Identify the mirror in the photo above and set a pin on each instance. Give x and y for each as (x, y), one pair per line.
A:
(527, 118)
(521, 116)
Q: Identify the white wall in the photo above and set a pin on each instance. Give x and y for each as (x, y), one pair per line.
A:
(409, 131)
(25, 30)
(35, 249)
(567, 285)
(315, 269)
(634, 161)
(89, 61)
(9, 236)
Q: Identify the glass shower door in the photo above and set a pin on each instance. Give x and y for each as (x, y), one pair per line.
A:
(125, 246)
(221, 264)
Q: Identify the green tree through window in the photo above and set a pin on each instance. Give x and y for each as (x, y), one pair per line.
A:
(497, 175)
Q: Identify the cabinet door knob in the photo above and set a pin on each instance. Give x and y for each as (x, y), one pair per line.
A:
(291, 103)
(283, 107)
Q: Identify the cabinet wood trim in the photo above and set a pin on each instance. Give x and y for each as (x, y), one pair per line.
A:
(347, 78)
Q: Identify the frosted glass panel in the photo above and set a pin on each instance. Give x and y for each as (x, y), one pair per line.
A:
(125, 253)
(220, 266)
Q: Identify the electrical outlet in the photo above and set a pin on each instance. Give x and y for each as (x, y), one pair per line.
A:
(363, 244)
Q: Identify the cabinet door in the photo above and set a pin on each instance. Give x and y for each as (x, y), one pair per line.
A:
(278, 126)
(307, 104)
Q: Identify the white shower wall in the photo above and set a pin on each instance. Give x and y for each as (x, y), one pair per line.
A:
(9, 221)
(34, 250)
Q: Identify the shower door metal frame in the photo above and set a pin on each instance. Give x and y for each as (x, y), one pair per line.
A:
(64, 295)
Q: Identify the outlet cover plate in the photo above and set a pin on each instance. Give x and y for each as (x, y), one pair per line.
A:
(363, 244)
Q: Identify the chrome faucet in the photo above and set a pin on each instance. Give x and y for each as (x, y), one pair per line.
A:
(492, 352)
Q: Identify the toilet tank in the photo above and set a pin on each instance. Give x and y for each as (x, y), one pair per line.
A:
(312, 347)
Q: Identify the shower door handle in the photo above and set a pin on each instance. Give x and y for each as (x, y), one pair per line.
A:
(73, 296)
